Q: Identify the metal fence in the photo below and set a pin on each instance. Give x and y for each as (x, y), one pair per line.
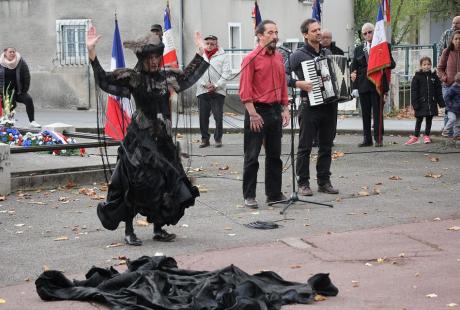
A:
(407, 58)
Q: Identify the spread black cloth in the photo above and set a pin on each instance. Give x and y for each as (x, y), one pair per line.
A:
(157, 283)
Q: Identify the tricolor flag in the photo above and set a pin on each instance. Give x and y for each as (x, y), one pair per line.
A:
(379, 55)
(316, 10)
(119, 110)
(169, 54)
(256, 15)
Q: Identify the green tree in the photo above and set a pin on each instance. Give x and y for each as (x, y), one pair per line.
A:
(444, 9)
(405, 16)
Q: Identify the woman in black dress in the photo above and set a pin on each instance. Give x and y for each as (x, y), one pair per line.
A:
(148, 178)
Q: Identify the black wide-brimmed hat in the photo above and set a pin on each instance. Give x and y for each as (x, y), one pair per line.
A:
(146, 45)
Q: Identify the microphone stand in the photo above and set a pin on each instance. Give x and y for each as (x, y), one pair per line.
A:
(294, 195)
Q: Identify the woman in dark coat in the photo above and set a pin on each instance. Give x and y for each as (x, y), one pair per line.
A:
(426, 95)
(149, 178)
(15, 79)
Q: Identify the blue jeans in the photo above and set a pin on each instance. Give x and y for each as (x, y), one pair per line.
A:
(447, 128)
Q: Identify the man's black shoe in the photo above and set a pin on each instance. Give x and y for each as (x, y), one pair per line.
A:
(164, 236)
(132, 239)
(328, 189)
(364, 144)
(204, 143)
(280, 197)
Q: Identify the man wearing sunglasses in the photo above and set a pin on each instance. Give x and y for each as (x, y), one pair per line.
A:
(368, 95)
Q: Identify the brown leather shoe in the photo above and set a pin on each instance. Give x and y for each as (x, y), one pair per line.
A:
(304, 190)
(328, 189)
(204, 143)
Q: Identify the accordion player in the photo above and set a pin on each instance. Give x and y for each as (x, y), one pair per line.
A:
(330, 76)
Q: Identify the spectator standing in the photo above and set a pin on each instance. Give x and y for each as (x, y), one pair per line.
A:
(211, 90)
(426, 95)
(15, 77)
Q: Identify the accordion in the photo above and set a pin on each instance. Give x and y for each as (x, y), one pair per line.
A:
(330, 78)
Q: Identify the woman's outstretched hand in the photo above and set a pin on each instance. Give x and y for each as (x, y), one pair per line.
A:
(91, 40)
(199, 43)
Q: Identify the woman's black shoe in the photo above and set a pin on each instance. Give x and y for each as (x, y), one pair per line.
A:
(164, 236)
(132, 239)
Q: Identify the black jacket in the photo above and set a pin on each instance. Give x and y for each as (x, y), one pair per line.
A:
(359, 63)
(426, 93)
(22, 78)
(335, 50)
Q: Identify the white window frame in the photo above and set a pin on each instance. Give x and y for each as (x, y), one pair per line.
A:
(235, 57)
(80, 57)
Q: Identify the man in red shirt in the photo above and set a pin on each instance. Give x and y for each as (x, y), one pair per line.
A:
(263, 90)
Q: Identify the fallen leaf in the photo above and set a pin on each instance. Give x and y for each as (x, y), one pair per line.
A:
(87, 191)
(202, 189)
(19, 232)
(368, 264)
(432, 295)
(70, 184)
(402, 255)
(354, 283)
(363, 193)
(436, 219)
(184, 225)
(114, 245)
(2, 198)
(379, 183)
(295, 266)
(224, 167)
(19, 225)
(417, 274)
(432, 175)
(62, 238)
(45, 268)
(142, 223)
(232, 235)
(227, 228)
(380, 260)
(454, 228)
(395, 178)
(2, 301)
(433, 159)
(319, 297)
(451, 305)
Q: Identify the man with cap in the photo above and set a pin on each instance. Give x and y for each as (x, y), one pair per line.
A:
(157, 29)
(211, 90)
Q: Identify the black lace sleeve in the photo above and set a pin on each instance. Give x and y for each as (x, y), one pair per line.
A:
(117, 83)
(181, 80)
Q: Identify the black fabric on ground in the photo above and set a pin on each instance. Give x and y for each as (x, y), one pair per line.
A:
(157, 283)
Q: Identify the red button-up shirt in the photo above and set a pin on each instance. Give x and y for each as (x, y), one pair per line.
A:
(263, 78)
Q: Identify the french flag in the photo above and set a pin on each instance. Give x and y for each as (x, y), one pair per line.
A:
(379, 55)
(257, 18)
(119, 110)
(169, 54)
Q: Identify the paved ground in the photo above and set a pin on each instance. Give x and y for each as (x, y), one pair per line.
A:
(390, 240)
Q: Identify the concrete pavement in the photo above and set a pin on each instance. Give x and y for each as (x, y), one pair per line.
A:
(411, 266)
(387, 243)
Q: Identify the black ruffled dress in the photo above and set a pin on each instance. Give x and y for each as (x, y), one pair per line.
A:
(148, 178)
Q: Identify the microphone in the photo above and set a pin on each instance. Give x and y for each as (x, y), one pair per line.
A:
(285, 49)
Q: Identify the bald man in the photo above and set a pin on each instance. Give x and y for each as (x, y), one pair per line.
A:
(447, 35)
(326, 42)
